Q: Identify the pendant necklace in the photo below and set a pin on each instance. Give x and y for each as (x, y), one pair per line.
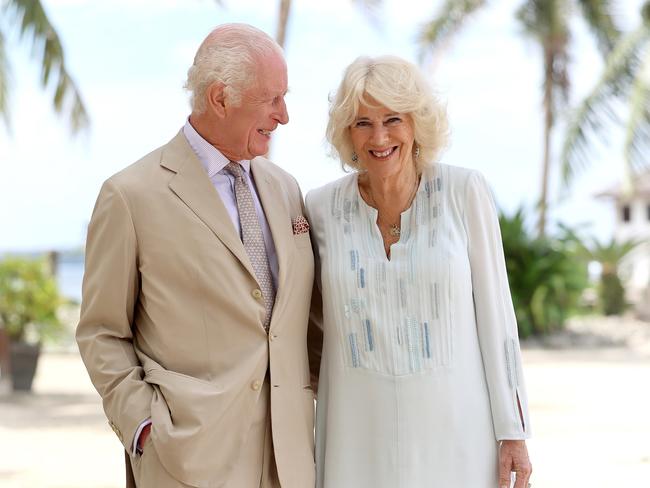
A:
(394, 229)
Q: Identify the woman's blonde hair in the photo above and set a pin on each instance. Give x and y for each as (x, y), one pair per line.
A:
(398, 85)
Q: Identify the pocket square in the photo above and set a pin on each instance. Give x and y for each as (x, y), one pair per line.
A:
(300, 225)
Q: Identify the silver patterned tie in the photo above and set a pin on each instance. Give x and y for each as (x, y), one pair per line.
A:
(253, 238)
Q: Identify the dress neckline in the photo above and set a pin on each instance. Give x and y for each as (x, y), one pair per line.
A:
(405, 218)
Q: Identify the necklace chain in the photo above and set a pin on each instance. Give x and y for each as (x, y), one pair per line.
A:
(394, 228)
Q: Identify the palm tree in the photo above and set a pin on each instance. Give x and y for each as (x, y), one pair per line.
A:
(611, 293)
(548, 23)
(626, 79)
(34, 24)
(283, 20)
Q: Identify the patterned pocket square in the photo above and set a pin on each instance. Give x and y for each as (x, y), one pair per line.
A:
(300, 225)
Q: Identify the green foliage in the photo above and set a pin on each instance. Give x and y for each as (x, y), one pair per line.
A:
(550, 24)
(33, 24)
(611, 293)
(623, 84)
(29, 299)
(546, 276)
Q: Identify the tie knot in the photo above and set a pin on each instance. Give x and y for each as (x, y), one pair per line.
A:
(235, 169)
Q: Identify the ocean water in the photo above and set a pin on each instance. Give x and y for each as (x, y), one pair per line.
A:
(69, 277)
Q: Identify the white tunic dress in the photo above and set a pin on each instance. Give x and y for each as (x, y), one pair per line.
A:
(421, 370)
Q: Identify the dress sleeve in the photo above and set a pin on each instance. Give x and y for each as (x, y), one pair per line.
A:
(495, 318)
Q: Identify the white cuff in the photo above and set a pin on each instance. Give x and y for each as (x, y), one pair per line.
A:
(137, 435)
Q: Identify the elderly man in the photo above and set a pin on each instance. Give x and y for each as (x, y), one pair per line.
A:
(196, 297)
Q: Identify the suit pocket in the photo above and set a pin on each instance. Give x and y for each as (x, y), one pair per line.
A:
(302, 240)
(183, 403)
(198, 427)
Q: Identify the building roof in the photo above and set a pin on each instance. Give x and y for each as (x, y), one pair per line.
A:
(640, 187)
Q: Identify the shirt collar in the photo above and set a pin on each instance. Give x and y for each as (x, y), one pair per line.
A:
(211, 158)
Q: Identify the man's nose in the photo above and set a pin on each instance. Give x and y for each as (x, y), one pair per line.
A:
(282, 115)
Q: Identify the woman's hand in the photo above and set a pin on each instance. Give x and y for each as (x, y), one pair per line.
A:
(513, 456)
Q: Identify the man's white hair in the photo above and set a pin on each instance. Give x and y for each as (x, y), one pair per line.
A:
(228, 55)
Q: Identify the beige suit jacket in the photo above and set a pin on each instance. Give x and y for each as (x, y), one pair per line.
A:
(171, 320)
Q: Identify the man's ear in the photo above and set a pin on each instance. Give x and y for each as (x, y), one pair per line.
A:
(216, 98)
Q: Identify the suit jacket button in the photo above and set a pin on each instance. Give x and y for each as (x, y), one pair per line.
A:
(256, 385)
(257, 293)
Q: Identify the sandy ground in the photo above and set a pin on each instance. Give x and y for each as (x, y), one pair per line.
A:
(589, 392)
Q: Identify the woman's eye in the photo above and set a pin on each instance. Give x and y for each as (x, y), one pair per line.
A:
(394, 120)
(362, 123)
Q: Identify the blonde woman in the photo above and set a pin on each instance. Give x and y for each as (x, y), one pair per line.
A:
(420, 382)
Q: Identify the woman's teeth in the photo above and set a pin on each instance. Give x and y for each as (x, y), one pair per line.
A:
(264, 132)
(382, 154)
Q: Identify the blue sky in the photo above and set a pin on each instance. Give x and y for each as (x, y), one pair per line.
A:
(130, 58)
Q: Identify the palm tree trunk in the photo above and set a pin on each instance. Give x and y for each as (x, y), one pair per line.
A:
(549, 59)
(283, 19)
(281, 35)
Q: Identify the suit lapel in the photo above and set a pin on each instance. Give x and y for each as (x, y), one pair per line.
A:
(192, 185)
(277, 215)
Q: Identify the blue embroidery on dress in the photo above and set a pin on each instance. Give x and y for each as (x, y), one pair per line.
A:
(354, 259)
(436, 302)
(354, 350)
(394, 318)
(371, 346)
(347, 206)
(427, 347)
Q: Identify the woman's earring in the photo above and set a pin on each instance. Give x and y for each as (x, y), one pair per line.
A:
(355, 158)
(417, 151)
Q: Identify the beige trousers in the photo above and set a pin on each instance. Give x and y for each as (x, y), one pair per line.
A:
(255, 469)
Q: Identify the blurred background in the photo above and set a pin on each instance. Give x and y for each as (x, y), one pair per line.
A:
(550, 99)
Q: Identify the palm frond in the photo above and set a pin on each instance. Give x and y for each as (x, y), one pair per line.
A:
(4, 81)
(46, 47)
(645, 13)
(451, 17)
(601, 21)
(598, 110)
(612, 252)
(637, 137)
(547, 21)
